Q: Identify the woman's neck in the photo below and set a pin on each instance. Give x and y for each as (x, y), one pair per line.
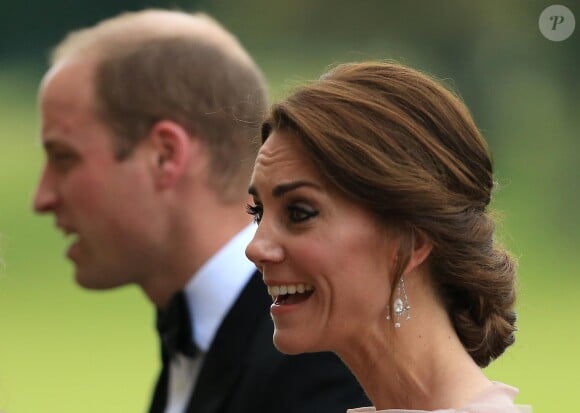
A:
(421, 365)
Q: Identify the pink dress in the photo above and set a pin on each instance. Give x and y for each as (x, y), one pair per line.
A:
(498, 398)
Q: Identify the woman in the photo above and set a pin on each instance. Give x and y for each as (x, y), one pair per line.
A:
(371, 191)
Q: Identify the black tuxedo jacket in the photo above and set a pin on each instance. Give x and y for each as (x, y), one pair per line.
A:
(244, 373)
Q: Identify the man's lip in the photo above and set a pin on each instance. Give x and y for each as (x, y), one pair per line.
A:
(67, 229)
(72, 251)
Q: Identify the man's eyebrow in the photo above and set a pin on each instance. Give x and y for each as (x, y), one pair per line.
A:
(49, 144)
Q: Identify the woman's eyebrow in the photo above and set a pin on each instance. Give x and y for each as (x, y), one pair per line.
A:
(284, 188)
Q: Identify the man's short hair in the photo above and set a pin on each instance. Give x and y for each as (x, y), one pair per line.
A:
(156, 64)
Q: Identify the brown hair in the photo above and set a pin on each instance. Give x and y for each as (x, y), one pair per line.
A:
(157, 64)
(403, 146)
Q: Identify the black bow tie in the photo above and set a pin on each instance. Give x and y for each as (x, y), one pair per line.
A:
(174, 328)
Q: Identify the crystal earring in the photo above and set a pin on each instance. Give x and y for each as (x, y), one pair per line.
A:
(400, 305)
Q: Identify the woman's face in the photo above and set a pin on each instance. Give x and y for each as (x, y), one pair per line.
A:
(325, 259)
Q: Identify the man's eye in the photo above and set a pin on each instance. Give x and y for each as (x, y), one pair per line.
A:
(62, 159)
(256, 211)
(61, 156)
(299, 213)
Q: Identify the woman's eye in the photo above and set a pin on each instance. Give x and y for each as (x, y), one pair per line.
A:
(299, 213)
(256, 211)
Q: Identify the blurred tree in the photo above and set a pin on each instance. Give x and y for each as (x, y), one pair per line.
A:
(29, 28)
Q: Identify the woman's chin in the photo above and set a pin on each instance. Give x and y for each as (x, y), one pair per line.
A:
(292, 344)
(286, 347)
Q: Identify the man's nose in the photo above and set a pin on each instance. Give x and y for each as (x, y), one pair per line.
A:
(45, 198)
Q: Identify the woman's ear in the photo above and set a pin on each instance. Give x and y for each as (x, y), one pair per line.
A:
(173, 148)
(419, 249)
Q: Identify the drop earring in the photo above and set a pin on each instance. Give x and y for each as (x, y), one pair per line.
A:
(400, 305)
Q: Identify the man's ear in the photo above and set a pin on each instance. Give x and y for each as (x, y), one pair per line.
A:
(172, 149)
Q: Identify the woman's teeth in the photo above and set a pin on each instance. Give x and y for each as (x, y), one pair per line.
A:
(277, 290)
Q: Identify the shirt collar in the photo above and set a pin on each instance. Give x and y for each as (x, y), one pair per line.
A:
(214, 288)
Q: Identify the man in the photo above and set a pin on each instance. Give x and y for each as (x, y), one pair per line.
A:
(148, 123)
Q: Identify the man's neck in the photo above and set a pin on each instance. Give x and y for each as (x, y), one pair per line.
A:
(189, 247)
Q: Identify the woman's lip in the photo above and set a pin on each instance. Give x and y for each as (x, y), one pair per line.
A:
(286, 303)
(271, 283)
(280, 309)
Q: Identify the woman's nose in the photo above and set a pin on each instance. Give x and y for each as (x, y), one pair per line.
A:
(264, 248)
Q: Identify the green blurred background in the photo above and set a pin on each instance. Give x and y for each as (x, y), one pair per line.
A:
(63, 349)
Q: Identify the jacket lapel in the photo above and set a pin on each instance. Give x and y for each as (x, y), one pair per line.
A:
(225, 363)
(159, 399)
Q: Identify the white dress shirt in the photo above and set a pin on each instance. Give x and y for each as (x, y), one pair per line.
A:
(210, 293)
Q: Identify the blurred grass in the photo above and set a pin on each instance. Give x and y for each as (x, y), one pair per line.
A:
(67, 349)
(62, 348)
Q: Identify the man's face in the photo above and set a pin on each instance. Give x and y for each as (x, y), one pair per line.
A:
(104, 205)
